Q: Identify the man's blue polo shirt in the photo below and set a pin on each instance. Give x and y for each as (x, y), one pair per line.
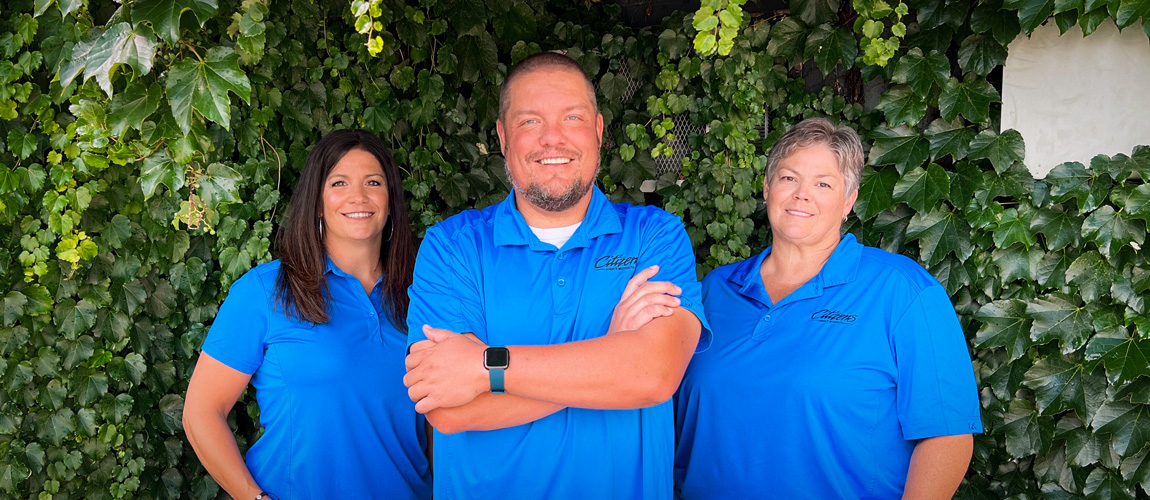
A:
(823, 394)
(484, 271)
(337, 420)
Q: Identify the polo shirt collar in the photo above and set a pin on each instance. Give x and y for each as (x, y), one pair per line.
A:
(840, 268)
(510, 228)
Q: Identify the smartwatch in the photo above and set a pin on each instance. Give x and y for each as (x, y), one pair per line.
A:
(495, 360)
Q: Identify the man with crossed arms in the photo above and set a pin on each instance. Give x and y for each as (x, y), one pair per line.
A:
(557, 384)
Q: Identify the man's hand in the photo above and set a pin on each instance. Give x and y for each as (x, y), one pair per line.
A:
(445, 372)
(643, 301)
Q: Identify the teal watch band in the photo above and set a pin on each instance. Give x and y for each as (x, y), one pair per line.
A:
(496, 375)
(495, 360)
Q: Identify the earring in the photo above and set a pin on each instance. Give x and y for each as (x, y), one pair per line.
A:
(321, 228)
(390, 232)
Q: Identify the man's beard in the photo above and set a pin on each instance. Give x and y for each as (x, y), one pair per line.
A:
(535, 194)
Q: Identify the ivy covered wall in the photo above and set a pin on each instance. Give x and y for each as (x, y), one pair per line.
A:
(147, 150)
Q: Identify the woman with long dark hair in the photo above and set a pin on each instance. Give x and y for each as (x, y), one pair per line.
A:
(320, 334)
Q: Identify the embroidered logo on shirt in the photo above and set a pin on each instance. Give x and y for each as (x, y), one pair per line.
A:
(832, 316)
(615, 263)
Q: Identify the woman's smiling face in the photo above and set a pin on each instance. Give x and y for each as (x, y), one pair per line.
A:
(807, 199)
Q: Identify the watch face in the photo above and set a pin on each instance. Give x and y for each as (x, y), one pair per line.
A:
(496, 357)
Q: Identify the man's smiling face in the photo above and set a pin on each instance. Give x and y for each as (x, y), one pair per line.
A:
(550, 136)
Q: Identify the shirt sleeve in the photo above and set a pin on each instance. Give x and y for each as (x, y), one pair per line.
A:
(936, 393)
(238, 336)
(442, 294)
(669, 247)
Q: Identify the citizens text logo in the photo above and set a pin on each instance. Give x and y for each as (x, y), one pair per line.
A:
(615, 263)
(832, 316)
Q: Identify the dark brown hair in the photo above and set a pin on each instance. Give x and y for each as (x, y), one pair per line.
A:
(301, 287)
(535, 62)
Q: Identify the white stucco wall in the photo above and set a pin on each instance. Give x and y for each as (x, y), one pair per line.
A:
(1073, 97)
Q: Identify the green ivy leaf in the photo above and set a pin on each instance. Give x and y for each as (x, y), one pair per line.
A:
(130, 108)
(940, 232)
(219, 185)
(204, 86)
(945, 141)
(981, 54)
(875, 192)
(1026, 433)
(1136, 202)
(164, 15)
(920, 72)
(613, 86)
(831, 47)
(120, 45)
(1126, 358)
(39, 300)
(922, 189)
(1057, 318)
(1129, 11)
(478, 56)
(1112, 230)
(1060, 385)
(971, 99)
(1091, 274)
(118, 230)
(1073, 180)
(1001, 149)
(1018, 262)
(935, 13)
(788, 38)
(129, 368)
(815, 12)
(160, 169)
(13, 307)
(903, 151)
(74, 318)
(58, 426)
(1090, 21)
(1002, 24)
(20, 144)
(1004, 324)
(901, 106)
(1014, 227)
(1031, 13)
(1128, 424)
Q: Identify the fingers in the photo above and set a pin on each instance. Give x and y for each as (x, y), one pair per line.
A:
(637, 280)
(437, 335)
(419, 346)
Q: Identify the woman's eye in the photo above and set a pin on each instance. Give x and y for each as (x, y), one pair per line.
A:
(338, 183)
(824, 185)
(374, 182)
(786, 178)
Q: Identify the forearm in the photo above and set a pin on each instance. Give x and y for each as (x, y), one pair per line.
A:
(937, 466)
(215, 445)
(490, 411)
(631, 369)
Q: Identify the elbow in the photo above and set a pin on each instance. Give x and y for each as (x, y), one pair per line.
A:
(444, 421)
(655, 388)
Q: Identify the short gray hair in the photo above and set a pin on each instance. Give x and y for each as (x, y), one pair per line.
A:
(843, 141)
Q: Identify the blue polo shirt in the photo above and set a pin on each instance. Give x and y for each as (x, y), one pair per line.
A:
(823, 394)
(484, 271)
(337, 420)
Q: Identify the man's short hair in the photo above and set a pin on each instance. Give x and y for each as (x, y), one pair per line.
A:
(843, 141)
(535, 62)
